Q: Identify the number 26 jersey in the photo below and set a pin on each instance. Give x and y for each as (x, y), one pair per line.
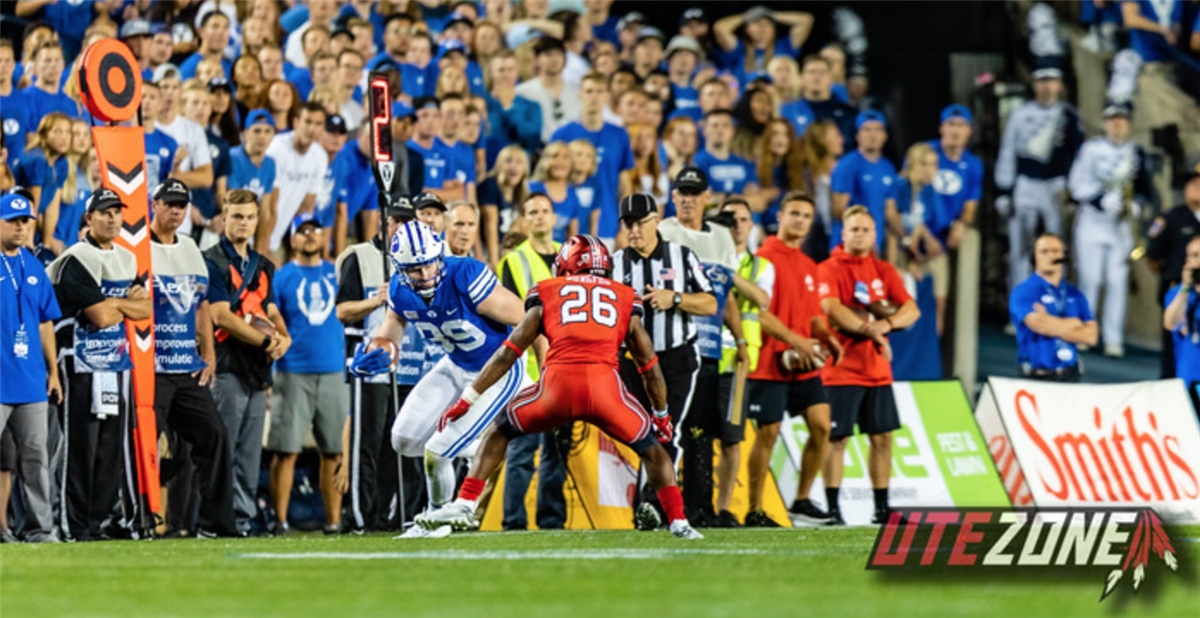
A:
(452, 318)
(585, 318)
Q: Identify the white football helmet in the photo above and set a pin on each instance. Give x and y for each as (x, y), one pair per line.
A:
(416, 245)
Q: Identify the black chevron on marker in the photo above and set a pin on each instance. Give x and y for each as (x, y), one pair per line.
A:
(135, 227)
(127, 177)
(142, 333)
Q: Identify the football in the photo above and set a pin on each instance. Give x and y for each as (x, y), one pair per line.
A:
(387, 344)
(790, 362)
(261, 324)
(882, 309)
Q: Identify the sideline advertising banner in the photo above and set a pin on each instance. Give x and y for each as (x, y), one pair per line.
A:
(939, 457)
(1093, 445)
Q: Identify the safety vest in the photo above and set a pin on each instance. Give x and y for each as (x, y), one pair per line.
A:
(528, 268)
(748, 269)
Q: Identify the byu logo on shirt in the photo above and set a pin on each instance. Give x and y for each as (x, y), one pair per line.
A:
(947, 182)
(11, 126)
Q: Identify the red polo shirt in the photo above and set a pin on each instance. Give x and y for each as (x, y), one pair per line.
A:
(857, 282)
(794, 300)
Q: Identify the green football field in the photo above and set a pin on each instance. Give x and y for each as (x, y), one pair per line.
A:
(760, 573)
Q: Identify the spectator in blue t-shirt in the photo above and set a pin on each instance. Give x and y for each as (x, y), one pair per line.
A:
(1052, 317)
(355, 191)
(959, 180)
(759, 24)
(454, 112)
(418, 73)
(45, 95)
(397, 36)
(614, 155)
(249, 166)
(863, 177)
(214, 36)
(499, 193)
(310, 387)
(728, 174)
(42, 170)
(917, 219)
(552, 177)
(1153, 27)
(683, 56)
(14, 108)
(513, 119)
(441, 162)
(160, 147)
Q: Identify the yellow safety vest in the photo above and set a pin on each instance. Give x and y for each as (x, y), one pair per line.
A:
(748, 269)
(527, 268)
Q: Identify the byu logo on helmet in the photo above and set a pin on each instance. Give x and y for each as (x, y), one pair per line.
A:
(415, 246)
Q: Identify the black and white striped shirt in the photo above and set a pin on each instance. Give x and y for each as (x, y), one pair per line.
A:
(670, 267)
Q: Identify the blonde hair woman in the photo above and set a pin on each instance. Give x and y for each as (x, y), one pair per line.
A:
(913, 212)
(499, 194)
(44, 169)
(552, 177)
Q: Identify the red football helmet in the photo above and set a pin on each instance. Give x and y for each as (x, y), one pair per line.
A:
(583, 254)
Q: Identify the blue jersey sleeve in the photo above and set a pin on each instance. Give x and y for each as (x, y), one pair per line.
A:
(32, 171)
(842, 180)
(48, 304)
(475, 280)
(626, 151)
(974, 190)
(1020, 303)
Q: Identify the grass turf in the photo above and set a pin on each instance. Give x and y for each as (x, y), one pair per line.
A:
(805, 572)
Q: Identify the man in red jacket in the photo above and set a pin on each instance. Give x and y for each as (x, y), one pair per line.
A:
(860, 294)
(793, 322)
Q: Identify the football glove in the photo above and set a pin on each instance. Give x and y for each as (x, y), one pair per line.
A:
(453, 413)
(662, 426)
(366, 364)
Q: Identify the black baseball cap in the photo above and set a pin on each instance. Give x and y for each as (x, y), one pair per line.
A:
(103, 199)
(548, 44)
(637, 207)
(173, 191)
(219, 83)
(335, 124)
(428, 200)
(691, 180)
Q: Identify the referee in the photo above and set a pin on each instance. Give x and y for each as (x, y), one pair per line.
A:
(673, 287)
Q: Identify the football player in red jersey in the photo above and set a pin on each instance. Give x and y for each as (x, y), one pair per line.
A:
(586, 317)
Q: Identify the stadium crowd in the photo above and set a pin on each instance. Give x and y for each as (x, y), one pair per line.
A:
(723, 159)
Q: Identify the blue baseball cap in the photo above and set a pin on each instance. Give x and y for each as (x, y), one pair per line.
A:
(957, 111)
(257, 116)
(302, 219)
(450, 46)
(869, 115)
(401, 109)
(15, 206)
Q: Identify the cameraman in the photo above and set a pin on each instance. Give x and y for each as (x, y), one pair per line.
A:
(1181, 318)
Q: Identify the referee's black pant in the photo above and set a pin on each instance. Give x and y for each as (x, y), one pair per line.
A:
(373, 502)
(188, 410)
(97, 454)
(679, 366)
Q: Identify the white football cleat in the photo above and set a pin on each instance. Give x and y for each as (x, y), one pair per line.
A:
(457, 515)
(683, 530)
(417, 532)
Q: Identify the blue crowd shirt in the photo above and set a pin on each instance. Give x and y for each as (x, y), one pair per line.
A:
(613, 156)
(306, 298)
(160, 157)
(565, 211)
(187, 70)
(244, 174)
(40, 103)
(354, 182)
(33, 170)
(957, 182)
(1063, 301)
(452, 318)
(729, 175)
(1187, 345)
(1152, 46)
(441, 164)
(26, 300)
(15, 112)
(868, 184)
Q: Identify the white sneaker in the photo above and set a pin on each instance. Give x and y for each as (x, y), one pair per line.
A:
(458, 515)
(417, 532)
(683, 530)
(1114, 350)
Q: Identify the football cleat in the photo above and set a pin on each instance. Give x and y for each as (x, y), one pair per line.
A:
(417, 532)
(646, 517)
(805, 512)
(458, 515)
(681, 529)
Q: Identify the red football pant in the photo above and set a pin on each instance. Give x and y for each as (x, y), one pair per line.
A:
(589, 393)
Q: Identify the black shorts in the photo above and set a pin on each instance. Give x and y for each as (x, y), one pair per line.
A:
(769, 399)
(872, 408)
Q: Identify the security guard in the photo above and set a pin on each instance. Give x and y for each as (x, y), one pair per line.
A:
(1110, 182)
(1169, 235)
(1051, 316)
(97, 291)
(527, 264)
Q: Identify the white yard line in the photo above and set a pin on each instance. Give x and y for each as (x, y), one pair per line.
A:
(516, 554)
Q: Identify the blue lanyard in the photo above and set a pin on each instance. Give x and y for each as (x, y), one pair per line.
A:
(17, 284)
